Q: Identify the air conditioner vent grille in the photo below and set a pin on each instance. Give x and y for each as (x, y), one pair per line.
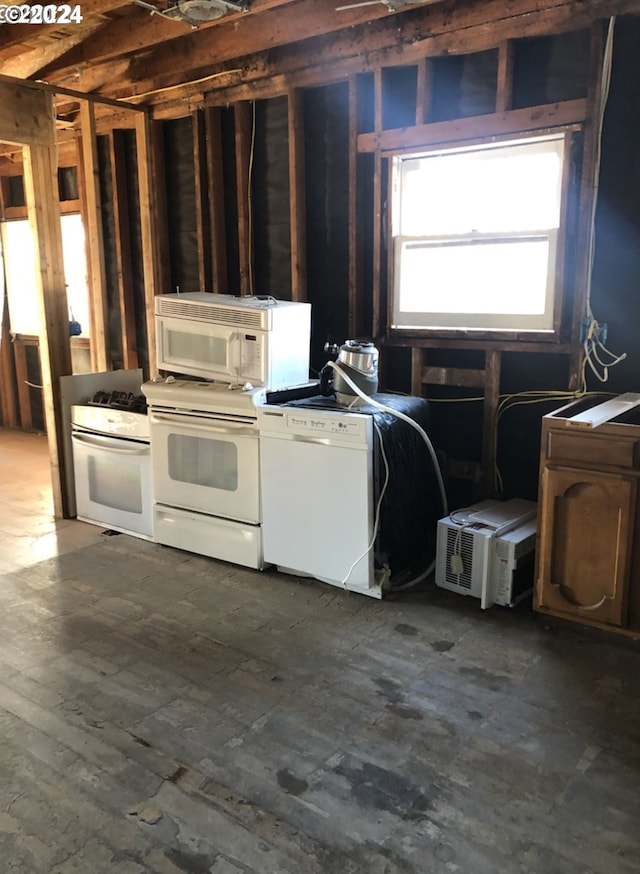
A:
(463, 546)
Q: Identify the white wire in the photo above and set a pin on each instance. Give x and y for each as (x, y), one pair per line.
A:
(434, 458)
(378, 505)
(592, 339)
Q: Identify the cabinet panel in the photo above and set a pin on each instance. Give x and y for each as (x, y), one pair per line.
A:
(585, 544)
(593, 449)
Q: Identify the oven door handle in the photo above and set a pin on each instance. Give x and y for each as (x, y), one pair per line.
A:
(108, 444)
(203, 425)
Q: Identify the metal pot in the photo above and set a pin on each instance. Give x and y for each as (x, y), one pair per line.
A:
(358, 359)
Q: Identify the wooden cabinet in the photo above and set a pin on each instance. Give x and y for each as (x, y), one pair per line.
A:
(588, 555)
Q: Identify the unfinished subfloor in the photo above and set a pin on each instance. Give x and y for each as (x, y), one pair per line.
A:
(161, 712)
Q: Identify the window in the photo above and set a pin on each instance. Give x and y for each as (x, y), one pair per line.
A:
(476, 236)
(19, 266)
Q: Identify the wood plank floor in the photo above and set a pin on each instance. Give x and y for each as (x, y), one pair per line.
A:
(165, 713)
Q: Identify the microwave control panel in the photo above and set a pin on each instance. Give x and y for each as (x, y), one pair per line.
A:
(251, 355)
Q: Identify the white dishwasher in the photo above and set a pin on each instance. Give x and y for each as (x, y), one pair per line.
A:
(317, 493)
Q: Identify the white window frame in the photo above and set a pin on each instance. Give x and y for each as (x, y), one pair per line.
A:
(544, 326)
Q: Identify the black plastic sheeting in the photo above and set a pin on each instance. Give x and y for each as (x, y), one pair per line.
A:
(181, 204)
(412, 502)
(270, 189)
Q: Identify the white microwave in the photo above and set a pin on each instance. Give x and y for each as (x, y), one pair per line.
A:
(259, 340)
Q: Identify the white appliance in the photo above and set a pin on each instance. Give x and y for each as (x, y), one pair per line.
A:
(487, 551)
(261, 341)
(79, 388)
(205, 457)
(112, 464)
(317, 495)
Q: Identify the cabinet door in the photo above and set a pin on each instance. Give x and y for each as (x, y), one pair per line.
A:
(585, 544)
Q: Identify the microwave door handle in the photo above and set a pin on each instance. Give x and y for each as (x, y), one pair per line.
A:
(108, 445)
(185, 422)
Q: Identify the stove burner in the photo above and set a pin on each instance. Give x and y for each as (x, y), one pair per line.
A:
(119, 400)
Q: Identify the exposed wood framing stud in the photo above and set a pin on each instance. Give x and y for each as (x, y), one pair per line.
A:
(215, 179)
(203, 220)
(148, 192)
(8, 399)
(22, 378)
(377, 318)
(41, 191)
(423, 94)
(354, 271)
(493, 362)
(297, 206)
(590, 169)
(244, 131)
(94, 237)
(123, 249)
(504, 94)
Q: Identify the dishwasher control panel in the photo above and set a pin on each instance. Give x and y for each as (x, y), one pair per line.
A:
(308, 424)
(323, 424)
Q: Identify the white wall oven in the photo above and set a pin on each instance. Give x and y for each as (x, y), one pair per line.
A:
(261, 341)
(206, 468)
(112, 463)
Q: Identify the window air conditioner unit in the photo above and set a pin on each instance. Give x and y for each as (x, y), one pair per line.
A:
(487, 551)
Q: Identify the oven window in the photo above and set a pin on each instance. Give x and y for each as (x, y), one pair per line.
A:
(116, 486)
(203, 461)
(188, 346)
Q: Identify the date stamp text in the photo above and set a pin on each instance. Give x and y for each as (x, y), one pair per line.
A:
(36, 13)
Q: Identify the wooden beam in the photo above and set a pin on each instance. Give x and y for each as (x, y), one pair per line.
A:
(376, 290)
(149, 192)
(264, 26)
(27, 115)
(122, 234)
(46, 88)
(244, 124)
(460, 377)
(22, 378)
(95, 244)
(41, 190)
(29, 63)
(404, 37)
(588, 185)
(492, 367)
(514, 342)
(354, 271)
(504, 91)
(25, 34)
(8, 398)
(216, 200)
(297, 199)
(203, 218)
(566, 114)
(423, 91)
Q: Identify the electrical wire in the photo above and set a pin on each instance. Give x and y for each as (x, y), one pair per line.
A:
(179, 85)
(594, 332)
(250, 199)
(527, 398)
(434, 458)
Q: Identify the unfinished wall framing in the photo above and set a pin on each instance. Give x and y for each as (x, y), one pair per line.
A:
(277, 181)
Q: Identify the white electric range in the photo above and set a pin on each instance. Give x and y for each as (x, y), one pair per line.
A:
(111, 459)
(206, 468)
